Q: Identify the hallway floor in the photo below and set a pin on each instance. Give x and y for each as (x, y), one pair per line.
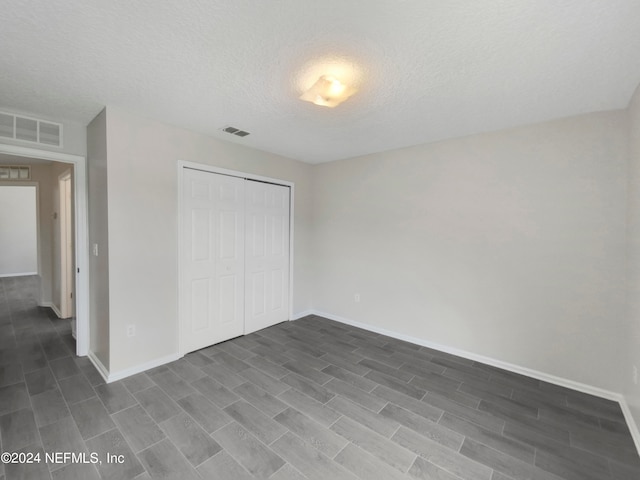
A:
(309, 399)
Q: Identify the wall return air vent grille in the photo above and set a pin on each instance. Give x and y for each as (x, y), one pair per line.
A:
(15, 172)
(30, 130)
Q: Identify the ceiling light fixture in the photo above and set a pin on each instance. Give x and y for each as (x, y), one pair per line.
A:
(328, 91)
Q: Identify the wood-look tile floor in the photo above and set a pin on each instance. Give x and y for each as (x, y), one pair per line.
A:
(309, 399)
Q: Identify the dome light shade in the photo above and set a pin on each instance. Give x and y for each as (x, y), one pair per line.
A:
(328, 91)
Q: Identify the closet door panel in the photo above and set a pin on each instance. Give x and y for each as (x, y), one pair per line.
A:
(266, 255)
(213, 259)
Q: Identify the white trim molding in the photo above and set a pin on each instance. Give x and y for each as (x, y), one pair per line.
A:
(143, 367)
(127, 372)
(306, 313)
(633, 426)
(562, 382)
(102, 370)
(52, 306)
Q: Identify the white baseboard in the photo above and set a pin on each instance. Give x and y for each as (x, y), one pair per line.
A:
(53, 307)
(102, 370)
(546, 377)
(631, 423)
(127, 372)
(24, 274)
(298, 316)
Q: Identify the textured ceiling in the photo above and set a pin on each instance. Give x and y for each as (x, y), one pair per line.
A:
(427, 70)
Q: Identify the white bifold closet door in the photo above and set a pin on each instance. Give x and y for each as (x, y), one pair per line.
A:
(266, 255)
(235, 261)
(213, 260)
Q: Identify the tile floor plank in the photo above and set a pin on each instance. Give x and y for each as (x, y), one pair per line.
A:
(194, 443)
(364, 465)
(76, 389)
(223, 467)
(382, 425)
(40, 381)
(516, 469)
(113, 443)
(163, 461)
(138, 428)
(172, 384)
(490, 438)
(311, 432)
(260, 425)
(91, 417)
(308, 387)
(355, 394)
(310, 407)
(157, 403)
(49, 407)
(62, 436)
(18, 429)
(263, 401)
(308, 460)
(374, 443)
(266, 382)
(13, 397)
(115, 396)
(210, 417)
(215, 392)
(252, 454)
(431, 430)
(443, 457)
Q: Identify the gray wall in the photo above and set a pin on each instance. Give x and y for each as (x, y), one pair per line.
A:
(508, 245)
(632, 391)
(142, 158)
(99, 342)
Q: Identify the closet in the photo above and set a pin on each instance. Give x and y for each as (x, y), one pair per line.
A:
(234, 258)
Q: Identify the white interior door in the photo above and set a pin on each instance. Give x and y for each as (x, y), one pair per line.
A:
(66, 247)
(266, 255)
(213, 258)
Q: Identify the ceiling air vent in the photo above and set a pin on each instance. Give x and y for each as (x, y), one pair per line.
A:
(235, 131)
(30, 130)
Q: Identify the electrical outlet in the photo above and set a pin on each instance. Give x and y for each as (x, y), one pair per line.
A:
(635, 374)
(95, 249)
(131, 330)
(356, 298)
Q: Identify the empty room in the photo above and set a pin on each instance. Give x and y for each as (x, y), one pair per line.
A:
(288, 239)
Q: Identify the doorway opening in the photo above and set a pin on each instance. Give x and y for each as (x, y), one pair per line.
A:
(77, 276)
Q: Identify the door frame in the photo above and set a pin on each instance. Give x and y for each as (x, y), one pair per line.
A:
(64, 179)
(81, 233)
(182, 165)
